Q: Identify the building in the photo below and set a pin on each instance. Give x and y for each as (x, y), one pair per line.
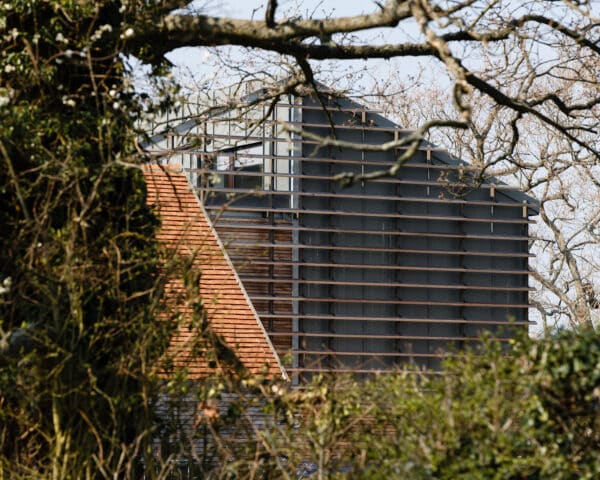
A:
(364, 277)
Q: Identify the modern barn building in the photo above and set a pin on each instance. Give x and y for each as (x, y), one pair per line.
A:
(374, 275)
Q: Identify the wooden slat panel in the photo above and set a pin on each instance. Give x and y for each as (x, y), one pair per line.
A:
(399, 181)
(351, 196)
(229, 224)
(386, 337)
(382, 163)
(333, 353)
(372, 371)
(459, 321)
(253, 260)
(233, 244)
(433, 286)
(400, 216)
(397, 302)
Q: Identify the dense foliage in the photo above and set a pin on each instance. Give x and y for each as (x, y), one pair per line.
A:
(532, 412)
(78, 258)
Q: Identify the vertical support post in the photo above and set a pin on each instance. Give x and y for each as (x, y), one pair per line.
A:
(362, 153)
(428, 156)
(268, 187)
(428, 274)
(492, 197)
(295, 115)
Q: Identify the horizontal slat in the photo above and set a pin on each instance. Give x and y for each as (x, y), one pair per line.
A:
(373, 371)
(332, 353)
(392, 180)
(456, 321)
(351, 196)
(343, 213)
(232, 243)
(342, 126)
(366, 336)
(251, 260)
(226, 222)
(389, 302)
(267, 103)
(377, 163)
(434, 286)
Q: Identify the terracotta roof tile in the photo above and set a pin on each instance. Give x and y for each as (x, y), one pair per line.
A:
(186, 230)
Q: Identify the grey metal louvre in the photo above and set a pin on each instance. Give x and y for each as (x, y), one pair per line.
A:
(374, 275)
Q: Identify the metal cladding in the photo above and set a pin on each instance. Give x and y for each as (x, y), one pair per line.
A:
(374, 275)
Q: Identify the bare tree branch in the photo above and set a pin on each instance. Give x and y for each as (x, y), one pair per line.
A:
(270, 13)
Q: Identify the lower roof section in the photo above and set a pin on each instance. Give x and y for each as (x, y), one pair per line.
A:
(227, 321)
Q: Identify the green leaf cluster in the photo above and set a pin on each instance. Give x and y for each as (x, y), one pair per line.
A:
(528, 412)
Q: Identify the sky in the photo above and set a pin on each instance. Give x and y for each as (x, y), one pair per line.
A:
(199, 63)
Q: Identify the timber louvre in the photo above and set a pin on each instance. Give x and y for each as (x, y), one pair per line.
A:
(372, 276)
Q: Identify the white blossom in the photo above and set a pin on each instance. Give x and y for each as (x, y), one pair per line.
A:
(69, 102)
(127, 33)
(5, 96)
(6, 284)
(100, 31)
(277, 390)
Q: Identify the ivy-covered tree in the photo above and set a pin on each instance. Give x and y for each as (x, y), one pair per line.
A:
(78, 258)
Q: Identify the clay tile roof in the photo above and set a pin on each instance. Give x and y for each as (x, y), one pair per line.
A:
(185, 229)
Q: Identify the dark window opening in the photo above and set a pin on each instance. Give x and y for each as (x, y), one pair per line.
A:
(251, 182)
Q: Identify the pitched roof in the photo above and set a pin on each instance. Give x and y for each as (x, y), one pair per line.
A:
(233, 323)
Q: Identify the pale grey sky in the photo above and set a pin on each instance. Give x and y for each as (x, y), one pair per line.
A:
(198, 63)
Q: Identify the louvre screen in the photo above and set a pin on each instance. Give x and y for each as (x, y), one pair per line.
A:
(374, 275)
